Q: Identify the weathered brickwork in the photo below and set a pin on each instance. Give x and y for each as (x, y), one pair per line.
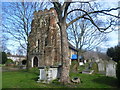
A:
(44, 39)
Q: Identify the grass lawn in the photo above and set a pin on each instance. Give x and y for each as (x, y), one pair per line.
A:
(96, 81)
(24, 79)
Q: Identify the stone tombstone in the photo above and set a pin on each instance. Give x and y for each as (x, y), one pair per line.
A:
(101, 66)
(111, 68)
(89, 65)
(42, 75)
(47, 74)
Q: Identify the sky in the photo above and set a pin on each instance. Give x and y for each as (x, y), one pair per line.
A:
(113, 36)
(59, 0)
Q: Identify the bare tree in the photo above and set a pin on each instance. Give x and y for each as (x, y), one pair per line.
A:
(17, 21)
(19, 17)
(20, 51)
(4, 44)
(83, 34)
(63, 11)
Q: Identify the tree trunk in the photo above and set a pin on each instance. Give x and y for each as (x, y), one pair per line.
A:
(77, 61)
(64, 78)
(27, 58)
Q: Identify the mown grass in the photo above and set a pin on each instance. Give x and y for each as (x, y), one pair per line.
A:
(24, 79)
(2, 65)
(28, 79)
(95, 81)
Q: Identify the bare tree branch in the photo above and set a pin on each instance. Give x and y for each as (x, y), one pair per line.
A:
(88, 13)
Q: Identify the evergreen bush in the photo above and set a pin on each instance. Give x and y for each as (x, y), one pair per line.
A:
(9, 61)
(118, 71)
(95, 67)
(74, 66)
(4, 57)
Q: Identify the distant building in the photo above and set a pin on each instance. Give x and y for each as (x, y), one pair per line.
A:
(15, 58)
(72, 50)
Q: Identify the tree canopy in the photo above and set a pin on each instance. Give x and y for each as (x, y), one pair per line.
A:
(114, 53)
(4, 57)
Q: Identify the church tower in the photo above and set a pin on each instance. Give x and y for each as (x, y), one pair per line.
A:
(45, 39)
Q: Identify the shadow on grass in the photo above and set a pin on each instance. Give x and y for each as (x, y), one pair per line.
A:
(35, 79)
(107, 81)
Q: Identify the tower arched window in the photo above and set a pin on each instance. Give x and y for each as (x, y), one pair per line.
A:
(38, 44)
(46, 41)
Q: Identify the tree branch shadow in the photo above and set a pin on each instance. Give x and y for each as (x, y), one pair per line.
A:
(111, 81)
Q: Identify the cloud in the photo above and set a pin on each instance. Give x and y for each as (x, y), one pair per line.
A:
(113, 39)
(108, 0)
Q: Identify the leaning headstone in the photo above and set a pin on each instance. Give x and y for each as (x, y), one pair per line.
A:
(111, 68)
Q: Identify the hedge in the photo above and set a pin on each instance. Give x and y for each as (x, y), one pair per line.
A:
(118, 71)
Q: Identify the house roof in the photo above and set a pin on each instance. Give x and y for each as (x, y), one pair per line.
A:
(15, 56)
(72, 47)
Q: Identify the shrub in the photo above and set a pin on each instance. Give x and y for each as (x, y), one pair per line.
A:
(34, 70)
(4, 58)
(95, 67)
(114, 53)
(24, 62)
(74, 66)
(9, 61)
(118, 71)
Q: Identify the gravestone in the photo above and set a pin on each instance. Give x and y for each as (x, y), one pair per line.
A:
(88, 69)
(111, 69)
(47, 74)
(101, 66)
(90, 65)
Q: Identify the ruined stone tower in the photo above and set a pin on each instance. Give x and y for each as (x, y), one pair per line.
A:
(44, 39)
